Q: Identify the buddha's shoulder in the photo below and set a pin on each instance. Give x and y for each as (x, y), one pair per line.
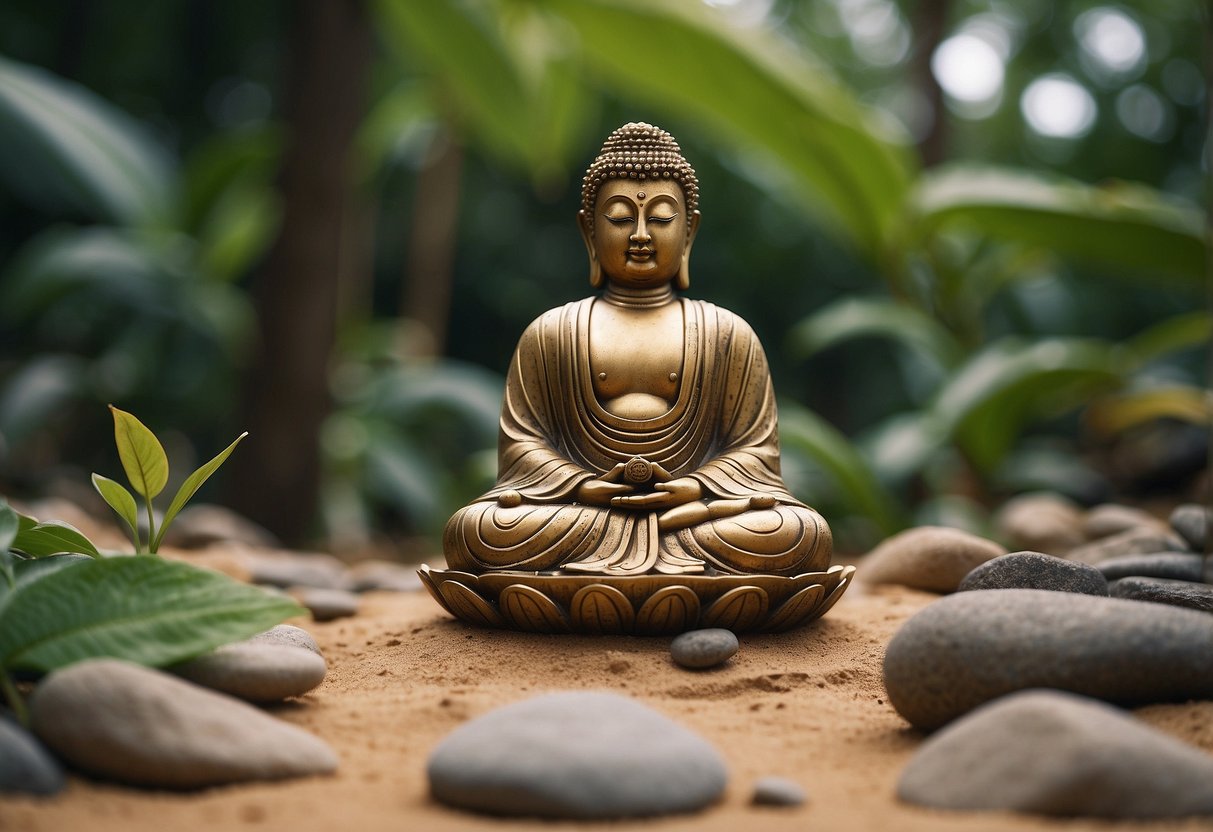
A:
(555, 318)
(722, 319)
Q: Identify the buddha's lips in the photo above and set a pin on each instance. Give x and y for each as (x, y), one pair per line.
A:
(640, 252)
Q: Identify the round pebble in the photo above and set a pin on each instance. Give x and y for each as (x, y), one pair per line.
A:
(256, 671)
(135, 725)
(1041, 522)
(292, 569)
(288, 635)
(778, 791)
(1191, 521)
(1112, 518)
(700, 649)
(1057, 754)
(931, 558)
(1163, 591)
(1034, 570)
(1179, 566)
(576, 755)
(1138, 541)
(327, 604)
(25, 766)
(969, 648)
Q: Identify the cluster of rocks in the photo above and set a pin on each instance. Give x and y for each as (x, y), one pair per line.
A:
(1020, 669)
(185, 727)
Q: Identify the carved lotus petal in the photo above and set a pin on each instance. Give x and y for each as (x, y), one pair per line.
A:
(464, 603)
(529, 609)
(738, 609)
(601, 609)
(799, 608)
(672, 609)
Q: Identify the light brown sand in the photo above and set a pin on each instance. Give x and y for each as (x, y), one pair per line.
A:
(807, 705)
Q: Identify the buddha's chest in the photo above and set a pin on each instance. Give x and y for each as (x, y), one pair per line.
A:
(636, 358)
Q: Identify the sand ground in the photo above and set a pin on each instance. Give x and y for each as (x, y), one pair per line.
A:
(808, 705)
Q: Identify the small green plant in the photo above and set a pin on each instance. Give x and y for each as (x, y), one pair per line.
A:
(146, 467)
(62, 602)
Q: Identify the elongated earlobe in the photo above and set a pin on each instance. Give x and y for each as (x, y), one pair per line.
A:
(587, 234)
(683, 281)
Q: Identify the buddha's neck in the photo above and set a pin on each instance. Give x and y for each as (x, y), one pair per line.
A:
(641, 298)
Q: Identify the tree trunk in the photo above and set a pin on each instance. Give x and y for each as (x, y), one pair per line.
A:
(429, 269)
(930, 18)
(277, 478)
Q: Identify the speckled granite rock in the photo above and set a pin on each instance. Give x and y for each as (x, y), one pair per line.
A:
(1035, 570)
(965, 650)
(1058, 754)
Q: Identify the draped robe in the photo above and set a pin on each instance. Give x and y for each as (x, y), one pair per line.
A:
(720, 430)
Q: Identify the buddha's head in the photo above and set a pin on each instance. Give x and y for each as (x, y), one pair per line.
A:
(639, 211)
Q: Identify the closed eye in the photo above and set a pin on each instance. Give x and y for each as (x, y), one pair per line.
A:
(617, 220)
(663, 219)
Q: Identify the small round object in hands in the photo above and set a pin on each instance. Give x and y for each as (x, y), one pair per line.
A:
(509, 499)
(639, 470)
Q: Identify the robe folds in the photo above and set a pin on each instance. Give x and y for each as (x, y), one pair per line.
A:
(721, 430)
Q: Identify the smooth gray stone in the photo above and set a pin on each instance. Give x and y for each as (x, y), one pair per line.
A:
(1191, 521)
(931, 558)
(1188, 594)
(256, 672)
(1111, 519)
(25, 766)
(202, 524)
(967, 649)
(287, 635)
(128, 723)
(1042, 522)
(778, 791)
(327, 604)
(1179, 566)
(576, 755)
(1033, 570)
(383, 576)
(1057, 754)
(290, 569)
(700, 649)
(1138, 541)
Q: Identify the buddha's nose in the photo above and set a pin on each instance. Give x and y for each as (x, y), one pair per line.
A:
(641, 234)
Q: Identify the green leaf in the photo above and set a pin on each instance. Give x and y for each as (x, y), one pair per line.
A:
(66, 147)
(859, 486)
(1120, 225)
(146, 610)
(10, 525)
(53, 539)
(1172, 335)
(27, 571)
(851, 318)
(141, 454)
(481, 85)
(120, 500)
(758, 93)
(191, 485)
(1116, 414)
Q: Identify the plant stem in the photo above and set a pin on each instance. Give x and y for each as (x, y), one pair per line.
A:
(151, 526)
(15, 702)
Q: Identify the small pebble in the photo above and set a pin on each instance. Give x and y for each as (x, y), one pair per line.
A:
(25, 766)
(290, 569)
(327, 604)
(1138, 541)
(931, 558)
(256, 672)
(1052, 753)
(202, 524)
(778, 791)
(382, 575)
(1179, 566)
(700, 649)
(1041, 522)
(967, 649)
(288, 635)
(576, 755)
(1034, 570)
(1112, 518)
(139, 726)
(1192, 521)
(1162, 591)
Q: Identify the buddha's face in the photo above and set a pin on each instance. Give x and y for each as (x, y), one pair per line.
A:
(641, 231)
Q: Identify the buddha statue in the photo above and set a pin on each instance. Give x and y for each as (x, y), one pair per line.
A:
(638, 432)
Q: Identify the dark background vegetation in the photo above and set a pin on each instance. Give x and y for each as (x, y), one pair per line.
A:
(327, 222)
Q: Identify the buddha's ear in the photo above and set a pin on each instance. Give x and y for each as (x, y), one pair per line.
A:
(683, 281)
(587, 234)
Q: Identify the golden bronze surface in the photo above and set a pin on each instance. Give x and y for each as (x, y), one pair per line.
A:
(639, 451)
